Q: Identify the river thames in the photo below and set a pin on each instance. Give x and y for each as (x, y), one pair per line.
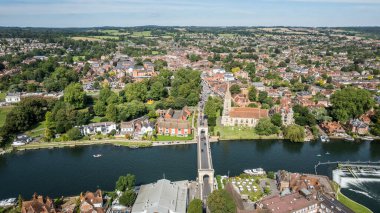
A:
(69, 171)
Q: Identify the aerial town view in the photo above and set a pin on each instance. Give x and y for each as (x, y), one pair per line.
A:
(190, 106)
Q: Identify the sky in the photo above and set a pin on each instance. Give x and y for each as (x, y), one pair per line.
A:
(124, 13)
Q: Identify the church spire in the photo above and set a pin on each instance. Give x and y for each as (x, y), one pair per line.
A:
(227, 100)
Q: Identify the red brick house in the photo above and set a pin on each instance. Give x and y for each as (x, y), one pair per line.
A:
(174, 122)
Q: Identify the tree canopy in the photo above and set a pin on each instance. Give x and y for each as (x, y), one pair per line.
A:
(75, 95)
(294, 133)
(350, 103)
(195, 206)
(266, 127)
(219, 201)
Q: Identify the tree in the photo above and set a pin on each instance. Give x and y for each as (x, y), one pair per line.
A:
(75, 95)
(219, 201)
(195, 206)
(136, 91)
(112, 113)
(157, 91)
(128, 198)
(266, 127)
(350, 103)
(263, 95)
(125, 183)
(235, 89)
(294, 133)
(252, 93)
(276, 119)
(100, 108)
(74, 134)
(104, 94)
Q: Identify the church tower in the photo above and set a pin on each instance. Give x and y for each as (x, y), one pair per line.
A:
(227, 106)
(227, 101)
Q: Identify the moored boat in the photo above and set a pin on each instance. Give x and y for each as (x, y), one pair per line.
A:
(258, 171)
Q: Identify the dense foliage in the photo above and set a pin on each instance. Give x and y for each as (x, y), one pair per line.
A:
(350, 103)
(195, 206)
(220, 201)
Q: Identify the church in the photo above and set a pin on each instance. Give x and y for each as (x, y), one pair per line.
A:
(241, 116)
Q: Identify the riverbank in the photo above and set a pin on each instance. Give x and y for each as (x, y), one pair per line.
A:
(116, 142)
(353, 205)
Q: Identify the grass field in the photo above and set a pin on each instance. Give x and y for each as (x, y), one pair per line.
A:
(114, 32)
(3, 114)
(142, 34)
(129, 144)
(240, 133)
(80, 38)
(96, 119)
(39, 130)
(173, 138)
(78, 58)
(105, 37)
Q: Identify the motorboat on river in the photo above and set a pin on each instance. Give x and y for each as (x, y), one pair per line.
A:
(97, 155)
(257, 171)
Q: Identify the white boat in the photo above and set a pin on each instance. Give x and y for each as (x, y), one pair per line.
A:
(325, 138)
(327, 153)
(367, 138)
(97, 155)
(349, 138)
(18, 143)
(319, 155)
(258, 171)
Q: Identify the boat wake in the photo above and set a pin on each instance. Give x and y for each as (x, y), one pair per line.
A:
(363, 193)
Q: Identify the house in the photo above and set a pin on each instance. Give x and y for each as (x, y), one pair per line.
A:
(333, 128)
(163, 196)
(359, 127)
(143, 127)
(174, 122)
(38, 205)
(13, 98)
(91, 202)
(102, 127)
(127, 128)
(293, 203)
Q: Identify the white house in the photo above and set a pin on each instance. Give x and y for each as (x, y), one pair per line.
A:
(13, 98)
(103, 127)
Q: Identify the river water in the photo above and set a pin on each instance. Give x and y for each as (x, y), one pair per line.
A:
(69, 171)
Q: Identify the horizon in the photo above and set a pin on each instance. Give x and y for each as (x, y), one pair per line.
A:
(197, 13)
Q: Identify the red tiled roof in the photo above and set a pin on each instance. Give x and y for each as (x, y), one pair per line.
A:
(247, 112)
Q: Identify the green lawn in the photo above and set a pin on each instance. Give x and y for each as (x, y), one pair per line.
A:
(3, 114)
(78, 58)
(173, 138)
(129, 144)
(142, 34)
(237, 133)
(39, 130)
(96, 119)
(106, 37)
(354, 206)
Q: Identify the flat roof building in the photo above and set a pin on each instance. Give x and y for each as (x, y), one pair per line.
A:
(164, 197)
